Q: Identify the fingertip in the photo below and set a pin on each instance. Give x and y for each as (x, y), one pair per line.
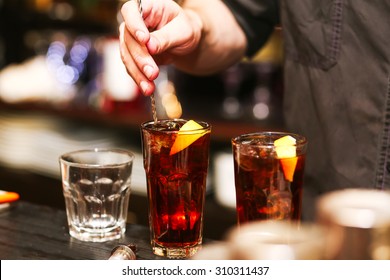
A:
(147, 88)
(150, 72)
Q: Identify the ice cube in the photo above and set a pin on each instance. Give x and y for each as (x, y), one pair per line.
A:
(279, 204)
(167, 126)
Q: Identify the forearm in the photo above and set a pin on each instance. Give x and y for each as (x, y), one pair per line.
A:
(222, 42)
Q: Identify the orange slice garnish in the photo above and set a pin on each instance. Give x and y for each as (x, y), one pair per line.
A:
(6, 197)
(288, 166)
(188, 134)
(286, 152)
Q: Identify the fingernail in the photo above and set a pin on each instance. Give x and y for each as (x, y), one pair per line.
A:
(144, 87)
(148, 70)
(140, 36)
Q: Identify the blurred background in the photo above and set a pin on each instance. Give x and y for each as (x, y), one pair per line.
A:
(63, 87)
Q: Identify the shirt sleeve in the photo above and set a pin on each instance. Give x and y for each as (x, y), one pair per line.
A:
(257, 19)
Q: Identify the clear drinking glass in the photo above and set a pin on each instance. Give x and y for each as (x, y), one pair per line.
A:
(176, 164)
(96, 188)
(268, 179)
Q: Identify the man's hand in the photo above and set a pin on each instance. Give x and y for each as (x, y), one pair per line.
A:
(164, 32)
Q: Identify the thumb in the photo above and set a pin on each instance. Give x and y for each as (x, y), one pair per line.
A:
(180, 36)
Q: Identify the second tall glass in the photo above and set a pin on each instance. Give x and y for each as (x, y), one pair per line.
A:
(176, 155)
(269, 170)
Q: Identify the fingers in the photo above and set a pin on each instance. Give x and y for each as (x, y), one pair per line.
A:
(139, 64)
(135, 56)
(173, 32)
(134, 21)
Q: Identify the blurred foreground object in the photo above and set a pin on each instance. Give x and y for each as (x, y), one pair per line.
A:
(357, 223)
(6, 199)
(269, 240)
(277, 240)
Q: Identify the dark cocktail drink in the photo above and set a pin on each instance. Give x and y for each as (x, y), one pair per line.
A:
(269, 177)
(176, 163)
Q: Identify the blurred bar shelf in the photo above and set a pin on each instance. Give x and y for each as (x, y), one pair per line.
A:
(222, 130)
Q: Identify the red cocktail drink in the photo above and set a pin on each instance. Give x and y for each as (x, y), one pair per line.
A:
(176, 164)
(268, 184)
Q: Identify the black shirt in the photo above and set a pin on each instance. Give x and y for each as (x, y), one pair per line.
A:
(257, 19)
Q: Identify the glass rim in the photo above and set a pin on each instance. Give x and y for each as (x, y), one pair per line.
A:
(238, 140)
(130, 160)
(205, 125)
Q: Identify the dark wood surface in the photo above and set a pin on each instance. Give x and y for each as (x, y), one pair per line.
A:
(36, 232)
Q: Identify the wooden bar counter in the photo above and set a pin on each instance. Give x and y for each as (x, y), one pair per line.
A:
(34, 232)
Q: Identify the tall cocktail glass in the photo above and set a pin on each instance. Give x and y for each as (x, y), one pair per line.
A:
(269, 175)
(176, 155)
